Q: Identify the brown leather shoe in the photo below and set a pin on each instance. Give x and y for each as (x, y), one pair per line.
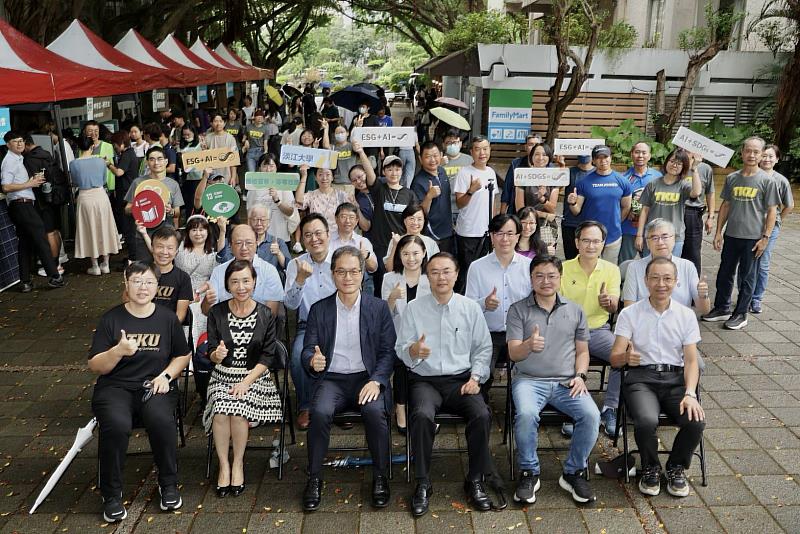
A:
(303, 420)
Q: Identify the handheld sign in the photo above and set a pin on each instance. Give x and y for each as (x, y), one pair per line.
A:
(313, 157)
(220, 200)
(548, 176)
(148, 208)
(710, 150)
(281, 181)
(154, 185)
(576, 147)
(214, 158)
(377, 136)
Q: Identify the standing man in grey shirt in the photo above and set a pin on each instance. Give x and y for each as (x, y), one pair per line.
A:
(749, 207)
(548, 339)
(695, 207)
(445, 343)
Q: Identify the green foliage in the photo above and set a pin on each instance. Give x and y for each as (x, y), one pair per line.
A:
(484, 27)
(578, 30)
(719, 26)
(622, 138)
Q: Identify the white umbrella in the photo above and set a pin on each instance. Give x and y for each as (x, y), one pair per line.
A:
(83, 437)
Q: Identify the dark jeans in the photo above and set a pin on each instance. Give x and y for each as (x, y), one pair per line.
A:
(693, 237)
(568, 238)
(736, 253)
(31, 239)
(115, 407)
(469, 250)
(649, 392)
(336, 393)
(430, 395)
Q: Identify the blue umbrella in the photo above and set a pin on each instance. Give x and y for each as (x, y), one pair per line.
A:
(326, 84)
(352, 96)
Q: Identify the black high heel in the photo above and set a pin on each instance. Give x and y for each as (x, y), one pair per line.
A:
(222, 491)
(237, 490)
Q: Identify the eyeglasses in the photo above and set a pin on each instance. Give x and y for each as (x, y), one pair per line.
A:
(348, 217)
(669, 280)
(143, 283)
(156, 160)
(506, 235)
(528, 223)
(442, 273)
(551, 277)
(319, 234)
(662, 237)
(675, 162)
(341, 273)
(248, 244)
(261, 220)
(595, 242)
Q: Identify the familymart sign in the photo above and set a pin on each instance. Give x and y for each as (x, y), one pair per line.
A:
(509, 115)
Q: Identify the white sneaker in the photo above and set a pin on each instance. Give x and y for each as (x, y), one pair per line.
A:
(94, 270)
(63, 258)
(104, 268)
(41, 272)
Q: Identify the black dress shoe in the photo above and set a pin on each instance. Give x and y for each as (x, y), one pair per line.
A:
(400, 429)
(477, 496)
(380, 492)
(312, 494)
(237, 490)
(222, 491)
(421, 500)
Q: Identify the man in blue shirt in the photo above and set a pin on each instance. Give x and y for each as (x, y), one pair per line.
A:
(507, 196)
(569, 221)
(603, 196)
(433, 191)
(639, 175)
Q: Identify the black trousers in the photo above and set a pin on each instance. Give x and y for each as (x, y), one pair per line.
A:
(447, 245)
(429, 395)
(568, 238)
(499, 354)
(649, 392)
(31, 239)
(336, 393)
(116, 408)
(737, 255)
(469, 250)
(693, 237)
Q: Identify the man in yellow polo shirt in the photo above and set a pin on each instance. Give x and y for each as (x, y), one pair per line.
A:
(594, 283)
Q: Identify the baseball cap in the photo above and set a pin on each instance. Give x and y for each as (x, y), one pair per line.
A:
(601, 150)
(391, 159)
(215, 177)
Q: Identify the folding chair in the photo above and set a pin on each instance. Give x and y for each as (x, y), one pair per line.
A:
(354, 416)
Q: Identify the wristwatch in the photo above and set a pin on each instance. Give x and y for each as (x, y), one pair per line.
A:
(691, 394)
(582, 376)
(169, 378)
(476, 378)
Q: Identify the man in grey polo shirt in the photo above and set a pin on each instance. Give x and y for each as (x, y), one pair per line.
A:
(548, 339)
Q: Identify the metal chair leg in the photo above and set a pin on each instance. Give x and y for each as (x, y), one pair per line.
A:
(625, 439)
(703, 462)
(209, 451)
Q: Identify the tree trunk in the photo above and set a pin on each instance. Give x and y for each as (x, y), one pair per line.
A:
(661, 104)
(787, 101)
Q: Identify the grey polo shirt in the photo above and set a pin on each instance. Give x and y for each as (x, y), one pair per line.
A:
(560, 328)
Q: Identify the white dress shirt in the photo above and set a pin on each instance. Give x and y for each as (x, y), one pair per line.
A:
(316, 287)
(684, 292)
(268, 282)
(13, 171)
(346, 357)
(513, 283)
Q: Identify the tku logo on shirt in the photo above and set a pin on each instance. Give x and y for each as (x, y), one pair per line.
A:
(743, 192)
(663, 197)
(164, 292)
(145, 341)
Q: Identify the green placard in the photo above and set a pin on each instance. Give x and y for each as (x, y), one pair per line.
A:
(510, 98)
(281, 181)
(220, 200)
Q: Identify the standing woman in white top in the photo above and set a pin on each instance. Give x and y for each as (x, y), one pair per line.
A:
(280, 204)
(403, 284)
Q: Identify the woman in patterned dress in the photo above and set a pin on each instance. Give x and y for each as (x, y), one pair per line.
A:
(241, 390)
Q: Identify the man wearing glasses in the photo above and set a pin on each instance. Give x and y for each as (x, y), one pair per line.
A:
(308, 280)
(497, 281)
(349, 351)
(444, 342)
(594, 284)
(548, 339)
(157, 167)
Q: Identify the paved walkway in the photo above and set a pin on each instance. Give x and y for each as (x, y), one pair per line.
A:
(751, 397)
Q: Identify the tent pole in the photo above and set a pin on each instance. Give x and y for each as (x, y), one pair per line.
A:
(138, 101)
(62, 154)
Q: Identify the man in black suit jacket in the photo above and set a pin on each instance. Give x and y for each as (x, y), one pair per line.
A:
(349, 351)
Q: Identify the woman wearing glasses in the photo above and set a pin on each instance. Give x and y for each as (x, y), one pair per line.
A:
(240, 391)
(137, 349)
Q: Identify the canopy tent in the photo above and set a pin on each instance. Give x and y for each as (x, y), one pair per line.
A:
(178, 52)
(79, 44)
(137, 47)
(29, 73)
(202, 51)
(230, 56)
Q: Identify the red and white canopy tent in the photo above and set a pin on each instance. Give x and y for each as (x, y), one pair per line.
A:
(202, 51)
(177, 51)
(137, 47)
(230, 56)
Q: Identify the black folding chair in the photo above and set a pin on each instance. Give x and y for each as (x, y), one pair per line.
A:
(354, 416)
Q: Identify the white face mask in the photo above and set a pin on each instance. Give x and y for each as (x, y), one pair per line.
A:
(363, 110)
(453, 149)
(340, 137)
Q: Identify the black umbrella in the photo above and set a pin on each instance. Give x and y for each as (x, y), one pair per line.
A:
(367, 85)
(352, 96)
(291, 91)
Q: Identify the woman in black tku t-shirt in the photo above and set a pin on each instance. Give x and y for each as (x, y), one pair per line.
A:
(137, 349)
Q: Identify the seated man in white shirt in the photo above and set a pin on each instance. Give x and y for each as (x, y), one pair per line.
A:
(657, 339)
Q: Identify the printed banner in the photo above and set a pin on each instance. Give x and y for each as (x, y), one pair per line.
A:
(576, 147)
(261, 181)
(228, 89)
(202, 94)
(214, 158)
(160, 100)
(700, 144)
(509, 115)
(380, 136)
(5, 123)
(550, 176)
(313, 157)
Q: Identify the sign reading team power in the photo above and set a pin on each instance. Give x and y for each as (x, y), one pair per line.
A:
(313, 157)
(576, 147)
(509, 115)
(376, 136)
(549, 176)
(220, 200)
(281, 181)
(210, 159)
(710, 150)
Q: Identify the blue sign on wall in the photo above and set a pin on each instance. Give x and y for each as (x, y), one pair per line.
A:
(202, 94)
(5, 123)
(229, 89)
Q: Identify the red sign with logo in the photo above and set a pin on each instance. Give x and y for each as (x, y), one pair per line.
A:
(148, 208)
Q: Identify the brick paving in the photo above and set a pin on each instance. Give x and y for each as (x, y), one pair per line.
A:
(751, 394)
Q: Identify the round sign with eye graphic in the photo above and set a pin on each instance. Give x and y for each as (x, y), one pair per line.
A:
(220, 200)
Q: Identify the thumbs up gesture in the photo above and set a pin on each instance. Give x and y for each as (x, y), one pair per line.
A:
(434, 190)
(474, 185)
(419, 349)
(318, 360)
(363, 249)
(535, 342)
(398, 292)
(304, 270)
(632, 358)
(604, 299)
(572, 198)
(127, 347)
(702, 287)
(492, 302)
(220, 354)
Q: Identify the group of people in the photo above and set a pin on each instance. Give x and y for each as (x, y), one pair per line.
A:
(408, 297)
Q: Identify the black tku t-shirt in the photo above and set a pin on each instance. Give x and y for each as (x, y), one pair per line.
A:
(172, 287)
(160, 339)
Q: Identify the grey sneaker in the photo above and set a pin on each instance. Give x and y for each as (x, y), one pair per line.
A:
(114, 510)
(650, 483)
(716, 315)
(577, 485)
(676, 481)
(736, 322)
(528, 485)
(755, 306)
(567, 429)
(608, 420)
(170, 498)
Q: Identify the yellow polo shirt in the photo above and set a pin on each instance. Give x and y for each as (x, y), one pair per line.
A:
(584, 290)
